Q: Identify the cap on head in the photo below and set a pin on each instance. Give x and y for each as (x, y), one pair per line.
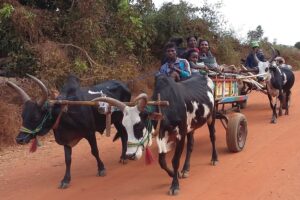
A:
(254, 44)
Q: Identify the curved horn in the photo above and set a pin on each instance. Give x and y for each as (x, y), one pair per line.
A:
(19, 90)
(111, 101)
(141, 104)
(141, 96)
(256, 58)
(273, 54)
(42, 87)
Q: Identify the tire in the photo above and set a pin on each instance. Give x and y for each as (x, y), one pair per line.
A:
(236, 133)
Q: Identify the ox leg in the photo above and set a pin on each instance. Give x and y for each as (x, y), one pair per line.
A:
(94, 150)
(121, 131)
(67, 178)
(174, 189)
(287, 97)
(189, 148)
(163, 164)
(212, 135)
(273, 107)
(280, 102)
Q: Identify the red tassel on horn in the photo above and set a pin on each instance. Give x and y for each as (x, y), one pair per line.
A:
(148, 156)
(33, 145)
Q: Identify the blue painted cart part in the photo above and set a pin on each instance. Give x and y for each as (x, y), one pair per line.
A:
(232, 99)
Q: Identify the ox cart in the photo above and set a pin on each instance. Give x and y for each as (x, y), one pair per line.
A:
(227, 91)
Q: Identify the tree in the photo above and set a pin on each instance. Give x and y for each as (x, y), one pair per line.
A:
(255, 34)
(297, 45)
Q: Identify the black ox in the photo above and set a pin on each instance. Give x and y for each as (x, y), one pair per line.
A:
(76, 123)
(191, 105)
(279, 82)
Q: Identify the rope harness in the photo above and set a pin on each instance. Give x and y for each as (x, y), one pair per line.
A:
(38, 128)
(146, 138)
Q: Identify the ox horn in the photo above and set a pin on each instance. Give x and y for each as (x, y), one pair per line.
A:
(19, 90)
(273, 54)
(42, 87)
(256, 58)
(141, 104)
(112, 102)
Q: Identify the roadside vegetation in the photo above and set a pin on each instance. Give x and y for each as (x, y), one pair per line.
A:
(108, 39)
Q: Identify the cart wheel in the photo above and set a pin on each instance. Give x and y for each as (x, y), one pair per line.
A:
(236, 133)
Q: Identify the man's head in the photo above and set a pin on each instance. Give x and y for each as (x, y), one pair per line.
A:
(204, 46)
(280, 60)
(192, 55)
(191, 42)
(170, 49)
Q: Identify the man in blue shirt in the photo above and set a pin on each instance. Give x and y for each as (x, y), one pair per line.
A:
(250, 61)
(175, 67)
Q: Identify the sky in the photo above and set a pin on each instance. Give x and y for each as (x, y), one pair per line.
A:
(277, 18)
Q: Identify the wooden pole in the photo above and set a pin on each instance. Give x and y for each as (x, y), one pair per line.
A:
(95, 103)
(108, 121)
(159, 121)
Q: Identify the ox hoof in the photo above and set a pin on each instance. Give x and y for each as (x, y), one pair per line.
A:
(101, 172)
(184, 174)
(214, 162)
(174, 191)
(123, 161)
(273, 121)
(63, 185)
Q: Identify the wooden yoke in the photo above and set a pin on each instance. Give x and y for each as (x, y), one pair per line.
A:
(156, 132)
(108, 112)
(108, 121)
(95, 103)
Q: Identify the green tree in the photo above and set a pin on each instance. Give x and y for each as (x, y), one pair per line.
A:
(297, 45)
(256, 34)
(212, 15)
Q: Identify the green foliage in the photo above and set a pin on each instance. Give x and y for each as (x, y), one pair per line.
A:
(256, 34)
(80, 65)
(211, 14)
(13, 46)
(297, 45)
(6, 11)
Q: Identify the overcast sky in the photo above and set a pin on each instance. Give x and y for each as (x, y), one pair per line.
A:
(279, 19)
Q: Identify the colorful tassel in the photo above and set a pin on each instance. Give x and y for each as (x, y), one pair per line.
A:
(148, 156)
(33, 145)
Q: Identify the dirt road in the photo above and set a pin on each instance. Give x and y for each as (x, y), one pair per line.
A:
(267, 169)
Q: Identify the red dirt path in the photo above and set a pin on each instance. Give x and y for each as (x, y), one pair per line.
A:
(267, 169)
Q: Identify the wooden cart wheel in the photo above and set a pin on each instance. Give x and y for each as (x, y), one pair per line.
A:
(236, 132)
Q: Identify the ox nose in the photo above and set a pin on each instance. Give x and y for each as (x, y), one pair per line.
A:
(20, 141)
(23, 138)
(131, 156)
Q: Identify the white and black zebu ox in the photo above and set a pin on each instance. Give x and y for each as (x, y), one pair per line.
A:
(279, 81)
(191, 105)
(39, 117)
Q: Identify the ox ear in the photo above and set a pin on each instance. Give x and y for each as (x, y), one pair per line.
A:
(156, 116)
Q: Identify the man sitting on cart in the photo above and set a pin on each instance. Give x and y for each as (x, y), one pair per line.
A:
(251, 62)
(175, 67)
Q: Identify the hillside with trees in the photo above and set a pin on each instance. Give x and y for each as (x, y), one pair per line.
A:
(108, 39)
